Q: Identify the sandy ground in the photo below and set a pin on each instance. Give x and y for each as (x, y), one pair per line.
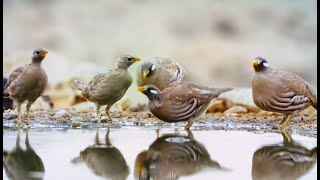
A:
(70, 118)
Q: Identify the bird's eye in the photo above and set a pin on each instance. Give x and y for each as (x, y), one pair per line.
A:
(130, 58)
(153, 67)
(37, 52)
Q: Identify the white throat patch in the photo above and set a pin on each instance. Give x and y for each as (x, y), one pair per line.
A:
(265, 64)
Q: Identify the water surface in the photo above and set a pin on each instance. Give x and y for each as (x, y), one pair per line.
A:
(141, 153)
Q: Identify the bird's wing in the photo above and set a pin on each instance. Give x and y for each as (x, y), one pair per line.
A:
(174, 68)
(184, 101)
(15, 74)
(96, 79)
(302, 91)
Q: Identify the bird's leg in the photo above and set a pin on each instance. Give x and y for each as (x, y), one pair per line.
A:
(28, 110)
(97, 138)
(98, 113)
(190, 122)
(18, 139)
(108, 143)
(176, 131)
(287, 139)
(107, 111)
(190, 135)
(285, 119)
(19, 114)
(27, 139)
(158, 132)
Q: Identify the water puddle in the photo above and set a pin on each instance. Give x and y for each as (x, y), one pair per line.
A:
(145, 153)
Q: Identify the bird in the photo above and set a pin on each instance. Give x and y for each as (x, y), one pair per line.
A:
(182, 102)
(171, 156)
(161, 72)
(280, 91)
(107, 88)
(6, 102)
(21, 163)
(27, 82)
(104, 159)
(285, 161)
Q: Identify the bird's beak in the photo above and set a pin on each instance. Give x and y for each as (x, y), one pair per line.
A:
(45, 52)
(136, 59)
(145, 74)
(140, 88)
(255, 63)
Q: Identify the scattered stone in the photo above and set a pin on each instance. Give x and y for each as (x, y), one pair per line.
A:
(10, 115)
(79, 119)
(220, 105)
(62, 113)
(76, 124)
(235, 109)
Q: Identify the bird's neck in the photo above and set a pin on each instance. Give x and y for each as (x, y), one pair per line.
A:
(36, 63)
(155, 98)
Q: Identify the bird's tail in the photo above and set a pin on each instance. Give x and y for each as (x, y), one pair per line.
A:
(218, 91)
(78, 85)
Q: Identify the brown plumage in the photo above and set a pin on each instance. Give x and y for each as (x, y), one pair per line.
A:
(27, 82)
(183, 102)
(285, 161)
(280, 91)
(108, 88)
(171, 156)
(161, 72)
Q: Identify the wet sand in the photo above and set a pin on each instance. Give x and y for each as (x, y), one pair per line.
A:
(70, 118)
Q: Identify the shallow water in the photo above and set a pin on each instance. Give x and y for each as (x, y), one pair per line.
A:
(77, 154)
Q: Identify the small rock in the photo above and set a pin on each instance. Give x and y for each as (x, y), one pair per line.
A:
(79, 119)
(62, 113)
(10, 115)
(76, 124)
(235, 109)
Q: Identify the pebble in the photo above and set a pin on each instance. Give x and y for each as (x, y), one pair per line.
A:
(79, 119)
(62, 113)
(76, 124)
(235, 109)
(10, 115)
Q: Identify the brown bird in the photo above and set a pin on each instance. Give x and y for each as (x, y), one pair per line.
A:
(108, 88)
(104, 159)
(280, 91)
(183, 102)
(172, 156)
(161, 72)
(285, 161)
(27, 82)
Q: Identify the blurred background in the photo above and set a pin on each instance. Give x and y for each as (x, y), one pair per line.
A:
(215, 41)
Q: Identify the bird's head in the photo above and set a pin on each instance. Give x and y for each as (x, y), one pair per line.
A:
(260, 64)
(151, 91)
(147, 69)
(126, 61)
(39, 54)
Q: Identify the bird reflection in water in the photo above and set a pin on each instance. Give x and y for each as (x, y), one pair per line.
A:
(287, 161)
(23, 164)
(104, 159)
(171, 156)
